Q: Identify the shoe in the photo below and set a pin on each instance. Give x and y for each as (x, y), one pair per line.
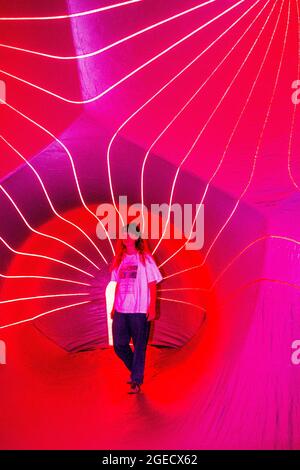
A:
(134, 388)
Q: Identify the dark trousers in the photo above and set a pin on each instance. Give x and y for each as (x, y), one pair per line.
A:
(136, 326)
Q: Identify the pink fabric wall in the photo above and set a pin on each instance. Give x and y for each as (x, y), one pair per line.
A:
(237, 146)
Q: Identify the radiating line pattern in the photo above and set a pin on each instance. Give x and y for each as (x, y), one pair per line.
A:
(48, 197)
(73, 15)
(48, 278)
(212, 114)
(257, 148)
(189, 102)
(162, 54)
(27, 320)
(46, 258)
(129, 75)
(110, 46)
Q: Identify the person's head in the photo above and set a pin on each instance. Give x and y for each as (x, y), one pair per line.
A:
(132, 236)
(131, 240)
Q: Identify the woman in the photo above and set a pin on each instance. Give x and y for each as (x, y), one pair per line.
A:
(136, 274)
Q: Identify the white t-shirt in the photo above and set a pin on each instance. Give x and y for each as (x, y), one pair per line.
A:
(133, 293)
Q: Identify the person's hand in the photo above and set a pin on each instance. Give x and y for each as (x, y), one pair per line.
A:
(151, 313)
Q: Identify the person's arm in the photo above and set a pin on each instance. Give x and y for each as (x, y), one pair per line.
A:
(151, 313)
(113, 307)
(114, 278)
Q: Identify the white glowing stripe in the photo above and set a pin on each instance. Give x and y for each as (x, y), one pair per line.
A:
(186, 270)
(130, 117)
(43, 314)
(183, 302)
(73, 169)
(47, 195)
(183, 288)
(51, 237)
(249, 96)
(106, 91)
(198, 266)
(71, 15)
(48, 258)
(233, 260)
(110, 297)
(100, 95)
(206, 124)
(295, 107)
(50, 296)
(230, 296)
(110, 46)
(46, 278)
(262, 132)
(171, 122)
(172, 46)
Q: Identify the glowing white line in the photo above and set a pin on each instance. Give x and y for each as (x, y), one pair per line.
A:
(157, 56)
(110, 46)
(173, 79)
(106, 91)
(206, 124)
(43, 314)
(73, 169)
(47, 195)
(256, 281)
(48, 258)
(51, 237)
(255, 157)
(130, 117)
(183, 302)
(72, 163)
(295, 107)
(183, 288)
(72, 15)
(40, 297)
(233, 260)
(47, 278)
(262, 132)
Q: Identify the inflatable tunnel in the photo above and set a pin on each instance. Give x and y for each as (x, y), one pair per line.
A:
(186, 103)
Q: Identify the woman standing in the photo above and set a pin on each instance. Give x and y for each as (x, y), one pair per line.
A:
(136, 274)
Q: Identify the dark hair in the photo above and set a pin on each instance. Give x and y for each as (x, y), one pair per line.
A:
(140, 244)
(132, 228)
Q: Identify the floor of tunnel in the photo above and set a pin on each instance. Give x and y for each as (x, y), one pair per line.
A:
(59, 400)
